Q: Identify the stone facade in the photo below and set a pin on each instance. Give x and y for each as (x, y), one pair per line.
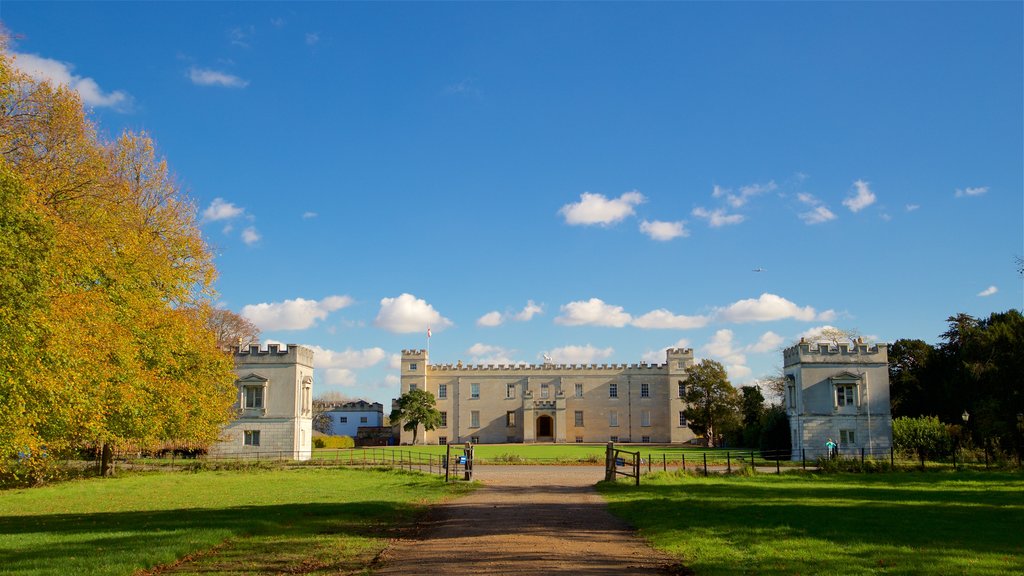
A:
(552, 402)
(274, 405)
(839, 393)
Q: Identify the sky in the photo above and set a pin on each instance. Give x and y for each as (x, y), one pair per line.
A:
(596, 182)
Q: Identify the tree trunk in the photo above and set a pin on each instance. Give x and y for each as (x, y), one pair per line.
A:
(107, 461)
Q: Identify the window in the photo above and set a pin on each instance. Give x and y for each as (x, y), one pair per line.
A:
(442, 391)
(645, 417)
(613, 418)
(792, 395)
(682, 364)
(362, 419)
(613, 390)
(579, 390)
(682, 389)
(614, 438)
(342, 419)
(844, 395)
(645, 439)
(510, 419)
(645, 390)
(412, 366)
(412, 387)
(474, 439)
(474, 390)
(578, 417)
(253, 396)
(251, 438)
(579, 439)
(442, 440)
(444, 419)
(847, 437)
(474, 419)
(543, 390)
(510, 390)
(682, 418)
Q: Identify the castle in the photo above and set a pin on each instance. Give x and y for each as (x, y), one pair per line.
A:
(274, 405)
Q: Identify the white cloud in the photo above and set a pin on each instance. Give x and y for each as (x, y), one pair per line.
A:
(665, 319)
(717, 218)
(721, 347)
(488, 354)
(490, 319)
(407, 313)
(308, 215)
(658, 356)
(664, 231)
(768, 342)
(250, 236)
(817, 215)
(349, 358)
(977, 191)
(597, 209)
(528, 312)
(862, 198)
(208, 77)
(765, 308)
(60, 73)
(988, 291)
(221, 210)
(297, 314)
(395, 362)
(738, 372)
(745, 194)
(912, 207)
(593, 312)
(339, 377)
(312, 38)
(579, 354)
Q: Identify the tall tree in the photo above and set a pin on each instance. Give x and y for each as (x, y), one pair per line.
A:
(232, 330)
(416, 408)
(712, 402)
(911, 391)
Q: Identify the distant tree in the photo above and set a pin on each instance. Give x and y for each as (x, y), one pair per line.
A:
(232, 329)
(712, 402)
(775, 386)
(415, 409)
(751, 411)
(776, 437)
(911, 391)
(923, 436)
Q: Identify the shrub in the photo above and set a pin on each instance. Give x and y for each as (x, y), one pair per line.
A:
(924, 437)
(334, 442)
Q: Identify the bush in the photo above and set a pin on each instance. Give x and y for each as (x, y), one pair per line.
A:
(334, 442)
(924, 437)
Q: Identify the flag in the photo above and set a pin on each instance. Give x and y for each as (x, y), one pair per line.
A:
(428, 332)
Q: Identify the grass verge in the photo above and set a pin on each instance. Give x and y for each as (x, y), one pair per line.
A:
(896, 523)
(306, 520)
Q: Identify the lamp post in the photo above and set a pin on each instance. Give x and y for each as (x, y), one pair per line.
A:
(965, 417)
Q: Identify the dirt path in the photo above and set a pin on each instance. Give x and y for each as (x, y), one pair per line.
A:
(526, 520)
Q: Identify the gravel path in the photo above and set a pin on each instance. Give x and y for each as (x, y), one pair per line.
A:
(526, 520)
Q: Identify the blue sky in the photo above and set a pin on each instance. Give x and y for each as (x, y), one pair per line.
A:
(591, 181)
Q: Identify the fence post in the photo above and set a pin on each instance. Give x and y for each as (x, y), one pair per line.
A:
(803, 458)
(684, 462)
(861, 454)
(447, 461)
(728, 463)
(609, 462)
(892, 457)
(636, 466)
(753, 464)
(777, 469)
(705, 464)
(664, 463)
(648, 462)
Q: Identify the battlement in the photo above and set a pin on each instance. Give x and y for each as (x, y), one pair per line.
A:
(274, 354)
(545, 368)
(843, 352)
(679, 352)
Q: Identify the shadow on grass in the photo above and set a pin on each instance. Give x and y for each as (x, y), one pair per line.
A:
(120, 542)
(834, 524)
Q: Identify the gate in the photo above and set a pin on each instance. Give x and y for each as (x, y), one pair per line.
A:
(463, 461)
(616, 458)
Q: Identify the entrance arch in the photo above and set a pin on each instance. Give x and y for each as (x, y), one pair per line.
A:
(545, 428)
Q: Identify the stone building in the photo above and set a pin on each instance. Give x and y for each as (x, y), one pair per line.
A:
(274, 405)
(346, 418)
(552, 402)
(838, 392)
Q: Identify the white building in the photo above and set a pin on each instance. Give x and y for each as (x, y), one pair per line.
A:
(274, 405)
(838, 393)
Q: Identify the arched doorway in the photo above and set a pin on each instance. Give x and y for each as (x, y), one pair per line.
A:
(545, 428)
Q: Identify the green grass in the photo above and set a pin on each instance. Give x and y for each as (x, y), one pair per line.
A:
(553, 453)
(309, 520)
(894, 523)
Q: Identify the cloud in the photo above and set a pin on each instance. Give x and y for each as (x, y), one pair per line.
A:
(495, 318)
(312, 38)
(765, 308)
(407, 313)
(60, 73)
(745, 194)
(658, 356)
(250, 236)
(722, 348)
(862, 198)
(768, 342)
(207, 77)
(978, 191)
(664, 319)
(308, 215)
(488, 354)
(664, 231)
(912, 207)
(579, 354)
(817, 215)
(339, 377)
(593, 312)
(717, 218)
(988, 291)
(349, 358)
(240, 35)
(597, 209)
(297, 314)
(221, 210)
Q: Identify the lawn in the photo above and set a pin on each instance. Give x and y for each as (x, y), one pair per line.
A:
(896, 523)
(309, 520)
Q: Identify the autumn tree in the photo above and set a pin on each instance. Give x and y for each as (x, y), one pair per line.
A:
(232, 330)
(415, 409)
(712, 402)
